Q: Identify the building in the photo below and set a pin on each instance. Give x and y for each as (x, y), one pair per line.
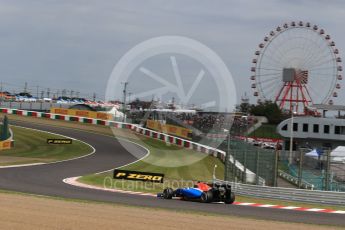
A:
(315, 132)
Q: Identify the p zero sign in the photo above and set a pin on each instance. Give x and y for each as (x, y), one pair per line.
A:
(59, 141)
(139, 176)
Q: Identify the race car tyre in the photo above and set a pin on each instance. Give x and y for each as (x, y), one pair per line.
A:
(168, 193)
(206, 197)
(229, 198)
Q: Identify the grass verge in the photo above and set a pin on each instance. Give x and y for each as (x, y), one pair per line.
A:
(31, 147)
(181, 167)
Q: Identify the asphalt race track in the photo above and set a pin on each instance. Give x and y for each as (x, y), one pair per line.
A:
(47, 180)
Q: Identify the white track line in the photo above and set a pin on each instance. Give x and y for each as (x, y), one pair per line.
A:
(146, 155)
(290, 207)
(54, 162)
(74, 182)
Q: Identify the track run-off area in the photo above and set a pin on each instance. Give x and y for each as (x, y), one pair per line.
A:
(47, 180)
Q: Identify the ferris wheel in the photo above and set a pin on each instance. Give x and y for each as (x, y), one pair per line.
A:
(296, 65)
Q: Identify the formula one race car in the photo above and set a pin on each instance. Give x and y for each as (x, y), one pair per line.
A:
(206, 193)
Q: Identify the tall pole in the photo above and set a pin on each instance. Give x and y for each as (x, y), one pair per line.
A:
(328, 160)
(124, 100)
(129, 96)
(227, 159)
(37, 88)
(257, 179)
(300, 169)
(291, 139)
(2, 94)
(25, 87)
(291, 135)
(275, 173)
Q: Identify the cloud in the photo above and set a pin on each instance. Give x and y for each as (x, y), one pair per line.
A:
(75, 44)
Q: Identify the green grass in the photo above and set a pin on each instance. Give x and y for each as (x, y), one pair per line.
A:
(265, 131)
(176, 162)
(181, 167)
(32, 144)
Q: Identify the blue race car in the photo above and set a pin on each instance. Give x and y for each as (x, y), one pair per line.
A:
(202, 192)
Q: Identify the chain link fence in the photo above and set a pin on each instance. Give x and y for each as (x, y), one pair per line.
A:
(310, 169)
(323, 169)
(262, 162)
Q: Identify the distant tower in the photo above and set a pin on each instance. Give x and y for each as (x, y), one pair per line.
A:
(245, 99)
(25, 87)
(244, 105)
(48, 92)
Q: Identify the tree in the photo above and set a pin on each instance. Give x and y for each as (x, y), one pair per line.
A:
(243, 107)
(268, 109)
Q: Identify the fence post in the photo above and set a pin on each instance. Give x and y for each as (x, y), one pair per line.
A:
(227, 160)
(245, 167)
(257, 166)
(300, 169)
(234, 173)
(275, 173)
(328, 160)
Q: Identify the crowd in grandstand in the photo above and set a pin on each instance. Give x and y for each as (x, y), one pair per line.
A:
(202, 121)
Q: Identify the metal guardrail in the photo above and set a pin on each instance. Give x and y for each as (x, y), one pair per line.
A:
(289, 194)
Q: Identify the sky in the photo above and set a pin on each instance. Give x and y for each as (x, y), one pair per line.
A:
(74, 45)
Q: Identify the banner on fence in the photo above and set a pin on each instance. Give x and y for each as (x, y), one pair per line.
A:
(169, 129)
(81, 113)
